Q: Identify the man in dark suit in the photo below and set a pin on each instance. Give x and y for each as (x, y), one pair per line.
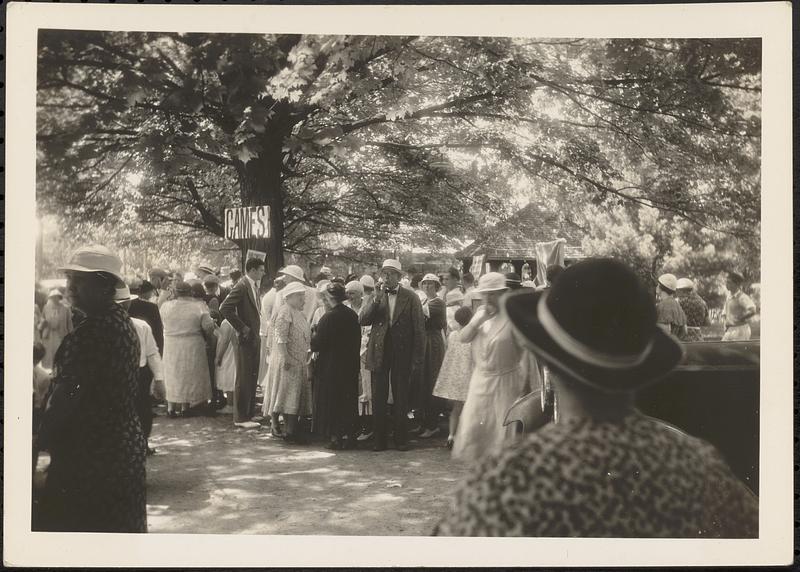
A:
(395, 351)
(241, 309)
(145, 310)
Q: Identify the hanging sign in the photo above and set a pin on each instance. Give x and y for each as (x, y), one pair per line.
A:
(256, 254)
(477, 265)
(247, 222)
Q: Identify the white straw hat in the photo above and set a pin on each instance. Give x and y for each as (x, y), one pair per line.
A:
(354, 286)
(367, 281)
(668, 281)
(123, 294)
(55, 292)
(430, 278)
(685, 283)
(293, 288)
(393, 264)
(294, 271)
(95, 258)
(325, 270)
(491, 282)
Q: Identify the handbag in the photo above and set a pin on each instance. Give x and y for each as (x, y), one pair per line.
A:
(60, 412)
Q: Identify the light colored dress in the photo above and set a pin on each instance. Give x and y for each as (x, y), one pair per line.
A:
(186, 374)
(227, 350)
(290, 390)
(365, 375)
(496, 382)
(57, 324)
(453, 380)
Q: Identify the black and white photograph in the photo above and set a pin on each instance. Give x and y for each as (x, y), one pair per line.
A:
(295, 280)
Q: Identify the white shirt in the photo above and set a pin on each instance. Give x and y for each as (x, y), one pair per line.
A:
(255, 290)
(148, 354)
(392, 303)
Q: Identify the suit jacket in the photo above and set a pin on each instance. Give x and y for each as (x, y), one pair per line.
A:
(240, 309)
(407, 330)
(148, 311)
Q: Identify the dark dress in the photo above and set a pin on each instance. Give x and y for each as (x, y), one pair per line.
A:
(96, 478)
(435, 325)
(338, 341)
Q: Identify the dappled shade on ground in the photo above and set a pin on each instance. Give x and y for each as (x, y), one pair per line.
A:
(210, 477)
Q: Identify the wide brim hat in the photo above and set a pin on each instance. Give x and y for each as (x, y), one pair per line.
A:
(430, 278)
(55, 292)
(293, 288)
(392, 264)
(668, 281)
(294, 271)
(685, 283)
(596, 325)
(367, 281)
(322, 284)
(123, 294)
(491, 282)
(95, 258)
(206, 268)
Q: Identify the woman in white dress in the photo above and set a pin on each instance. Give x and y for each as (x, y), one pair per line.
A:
(227, 352)
(187, 325)
(55, 325)
(497, 379)
(289, 383)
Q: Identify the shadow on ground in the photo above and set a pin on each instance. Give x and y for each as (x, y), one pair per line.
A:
(210, 477)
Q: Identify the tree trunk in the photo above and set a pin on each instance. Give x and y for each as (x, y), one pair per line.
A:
(260, 184)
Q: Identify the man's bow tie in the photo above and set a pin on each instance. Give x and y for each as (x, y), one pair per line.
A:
(390, 290)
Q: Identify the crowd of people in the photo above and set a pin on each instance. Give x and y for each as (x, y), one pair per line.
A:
(354, 361)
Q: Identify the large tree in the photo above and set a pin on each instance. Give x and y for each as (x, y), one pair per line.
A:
(387, 138)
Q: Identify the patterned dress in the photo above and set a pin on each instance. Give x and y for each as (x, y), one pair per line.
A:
(453, 380)
(696, 312)
(290, 389)
(96, 478)
(634, 478)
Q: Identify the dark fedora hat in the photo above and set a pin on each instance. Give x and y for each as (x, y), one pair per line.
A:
(597, 324)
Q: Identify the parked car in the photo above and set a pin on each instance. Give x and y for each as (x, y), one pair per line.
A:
(713, 394)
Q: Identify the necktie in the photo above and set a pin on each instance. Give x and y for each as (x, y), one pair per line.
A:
(390, 290)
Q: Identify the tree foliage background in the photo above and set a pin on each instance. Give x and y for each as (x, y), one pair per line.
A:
(651, 146)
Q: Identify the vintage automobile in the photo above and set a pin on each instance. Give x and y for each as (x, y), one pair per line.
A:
(713, 394)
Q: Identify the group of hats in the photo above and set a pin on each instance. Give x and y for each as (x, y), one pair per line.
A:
(671, 283)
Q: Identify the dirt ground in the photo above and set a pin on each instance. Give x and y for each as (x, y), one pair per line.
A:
(211, 477)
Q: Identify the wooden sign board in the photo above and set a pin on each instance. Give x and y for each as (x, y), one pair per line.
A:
(247, 222)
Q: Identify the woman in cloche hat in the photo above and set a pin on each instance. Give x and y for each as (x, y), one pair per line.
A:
(96, 478)
(604, 469)
(497, 378)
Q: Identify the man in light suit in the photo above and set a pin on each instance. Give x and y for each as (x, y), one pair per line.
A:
(395, 351)
(241, 309)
